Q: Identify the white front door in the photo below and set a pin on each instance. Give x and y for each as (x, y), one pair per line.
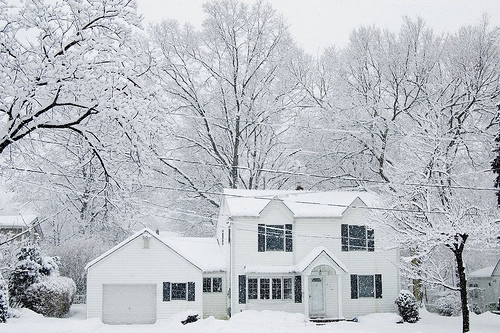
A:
(316, 296)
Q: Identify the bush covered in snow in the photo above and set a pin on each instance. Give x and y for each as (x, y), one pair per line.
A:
(407, 306)
(4, 300)
(449, 305)
(35, 284)
(52, 297)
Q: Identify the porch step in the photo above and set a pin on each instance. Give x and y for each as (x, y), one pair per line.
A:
(323, 321)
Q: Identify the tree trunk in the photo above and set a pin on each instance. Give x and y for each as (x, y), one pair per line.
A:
(458, 251)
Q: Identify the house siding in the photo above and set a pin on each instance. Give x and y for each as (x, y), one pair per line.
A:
(215, 303)
(134, 264)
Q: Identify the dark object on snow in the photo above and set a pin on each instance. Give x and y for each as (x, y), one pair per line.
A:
(407, 306)
(190, 319)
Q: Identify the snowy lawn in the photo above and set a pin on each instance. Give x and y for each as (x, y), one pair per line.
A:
(251, 321)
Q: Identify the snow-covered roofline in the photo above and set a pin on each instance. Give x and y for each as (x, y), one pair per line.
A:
(20, 220)
(250, 203)
(200, 252)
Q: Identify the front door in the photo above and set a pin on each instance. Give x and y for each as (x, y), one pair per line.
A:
(316, 297)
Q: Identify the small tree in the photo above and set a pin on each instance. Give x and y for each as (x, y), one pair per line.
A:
(407, 306)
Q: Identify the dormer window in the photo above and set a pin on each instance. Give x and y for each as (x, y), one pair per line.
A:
(275, 237)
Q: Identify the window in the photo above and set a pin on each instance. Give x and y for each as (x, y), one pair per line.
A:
(252, 288)
(366, 286)
(212, 285)
(217, 285)
(264, 288)
(278, 288)
(207, 285)
(275, 238)
(179, 291)
(357, 238)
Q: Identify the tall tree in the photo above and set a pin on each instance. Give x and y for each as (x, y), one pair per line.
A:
(225, 92)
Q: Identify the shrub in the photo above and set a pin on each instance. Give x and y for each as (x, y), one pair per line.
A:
(52, 297)
(449, 305)
(407, 306)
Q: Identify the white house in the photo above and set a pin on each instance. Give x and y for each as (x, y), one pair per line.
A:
(308, 252)
(295, 251)
(484, 288)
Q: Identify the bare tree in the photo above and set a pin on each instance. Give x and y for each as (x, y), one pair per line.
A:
(227, 97)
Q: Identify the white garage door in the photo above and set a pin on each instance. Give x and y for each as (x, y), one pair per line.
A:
(129, 303)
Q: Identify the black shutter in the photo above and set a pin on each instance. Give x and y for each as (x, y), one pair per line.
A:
(378, 285)
(371, 239)
(261, 238)
(242, 289)
(298, 289)
(344, 232)
(354, 286)
(191, 292)
(288, 238)
(166, 291)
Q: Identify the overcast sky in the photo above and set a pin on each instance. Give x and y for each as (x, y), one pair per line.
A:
(316, 24)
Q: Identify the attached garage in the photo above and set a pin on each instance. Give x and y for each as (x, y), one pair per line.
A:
(126, 285)
(129, 304)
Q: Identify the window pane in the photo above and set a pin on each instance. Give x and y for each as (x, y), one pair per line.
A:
(178, 291)
(357, 238)
(252, 288)
(276, 289)
(366, 284)
(207, 285)
(287, 288)
(264, 289)
(275, 238)
(217, 286)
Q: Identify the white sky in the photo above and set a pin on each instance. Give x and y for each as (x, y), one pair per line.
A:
(316, 24)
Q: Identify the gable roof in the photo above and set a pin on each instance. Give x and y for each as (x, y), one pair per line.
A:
(203, 253)
(249, 203)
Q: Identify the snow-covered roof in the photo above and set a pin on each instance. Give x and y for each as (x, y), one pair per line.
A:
(301, 203)
(204, 253)
(301, 266)
(483, 272)
(21, 221)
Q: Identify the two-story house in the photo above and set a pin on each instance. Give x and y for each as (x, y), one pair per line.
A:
(307, 252)
(297, 251)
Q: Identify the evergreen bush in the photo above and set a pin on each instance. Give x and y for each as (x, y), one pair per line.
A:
(407, 306)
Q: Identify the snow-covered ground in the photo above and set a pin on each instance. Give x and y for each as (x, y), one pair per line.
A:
(251, 321)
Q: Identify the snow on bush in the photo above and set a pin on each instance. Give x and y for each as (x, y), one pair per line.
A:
(407, 306)
(52, 297)
(4, 300)
(449, 305)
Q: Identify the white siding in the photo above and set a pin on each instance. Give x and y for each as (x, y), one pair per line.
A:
(134, 264)
(215, 303)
